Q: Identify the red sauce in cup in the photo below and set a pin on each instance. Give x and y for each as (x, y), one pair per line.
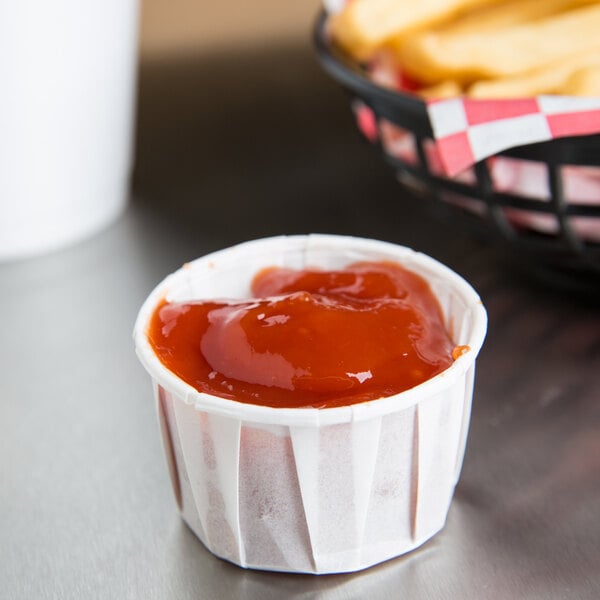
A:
(308, 338)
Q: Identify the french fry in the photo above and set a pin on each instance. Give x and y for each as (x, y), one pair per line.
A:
(465, 57)
(584, 82)
(364, 25)
(551, 79)
(497, 16)
(444, 89)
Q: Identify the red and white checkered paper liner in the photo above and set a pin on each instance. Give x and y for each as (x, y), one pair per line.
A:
(467, 131)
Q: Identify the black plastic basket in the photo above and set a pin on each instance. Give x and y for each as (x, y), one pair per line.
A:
(559, 250)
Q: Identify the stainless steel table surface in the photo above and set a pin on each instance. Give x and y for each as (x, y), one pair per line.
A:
(230, 150)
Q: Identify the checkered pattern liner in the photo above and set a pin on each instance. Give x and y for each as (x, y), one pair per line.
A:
(467, 131)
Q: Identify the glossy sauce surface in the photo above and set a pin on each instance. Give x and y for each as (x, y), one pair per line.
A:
(308, 338)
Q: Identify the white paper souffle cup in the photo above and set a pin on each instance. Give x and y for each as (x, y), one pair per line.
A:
(315, 490)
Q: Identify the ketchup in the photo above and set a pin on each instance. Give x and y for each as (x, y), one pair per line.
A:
(308, 338)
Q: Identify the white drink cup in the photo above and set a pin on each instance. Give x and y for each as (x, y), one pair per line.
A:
(67, 77)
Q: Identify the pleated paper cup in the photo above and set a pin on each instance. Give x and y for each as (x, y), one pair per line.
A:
(315, 490)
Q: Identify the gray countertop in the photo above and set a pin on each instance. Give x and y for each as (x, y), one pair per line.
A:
(228, 150)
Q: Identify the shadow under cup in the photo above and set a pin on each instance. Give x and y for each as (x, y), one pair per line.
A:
(315, 490)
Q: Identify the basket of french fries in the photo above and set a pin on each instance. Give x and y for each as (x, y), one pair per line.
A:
(489, 108)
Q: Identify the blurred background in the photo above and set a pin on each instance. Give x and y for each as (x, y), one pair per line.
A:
(236, 117)
(171, 27)
(227, 87)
